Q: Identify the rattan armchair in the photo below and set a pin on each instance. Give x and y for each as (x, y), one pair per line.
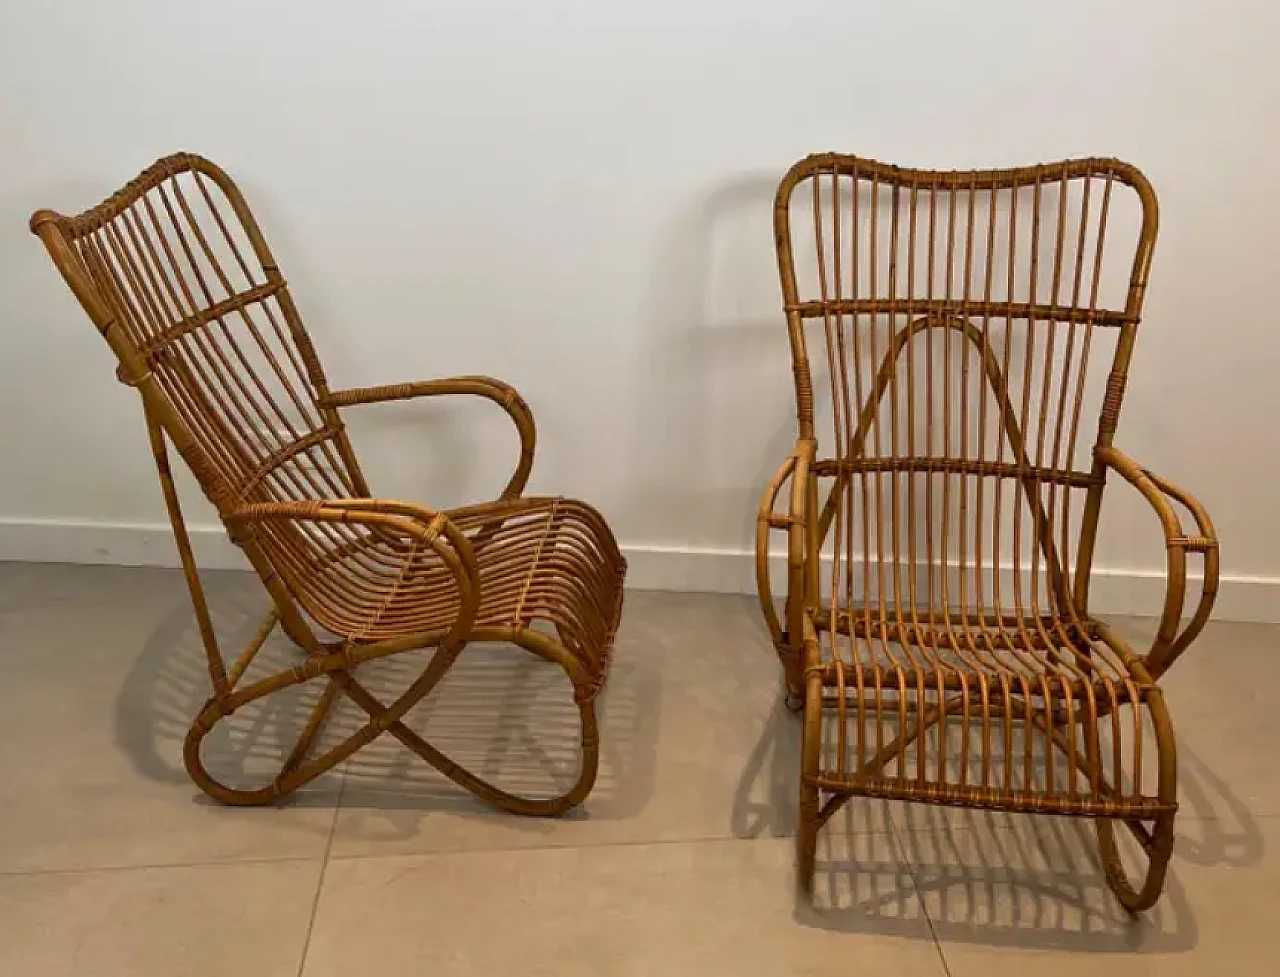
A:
(941, 507)
(177, 276)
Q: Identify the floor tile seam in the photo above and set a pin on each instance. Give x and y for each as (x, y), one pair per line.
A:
(324, 870)
(900, 855)
(233, 862)
(584, 846)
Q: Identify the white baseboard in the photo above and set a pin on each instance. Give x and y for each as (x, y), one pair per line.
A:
(114, 544)
(1114, 590)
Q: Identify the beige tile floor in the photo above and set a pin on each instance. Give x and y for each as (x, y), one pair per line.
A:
(111, 863)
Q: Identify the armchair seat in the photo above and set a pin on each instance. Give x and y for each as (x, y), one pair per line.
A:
(552, 560)
(970, 708)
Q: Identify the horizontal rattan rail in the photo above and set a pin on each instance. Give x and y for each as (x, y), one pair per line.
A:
(820, 308)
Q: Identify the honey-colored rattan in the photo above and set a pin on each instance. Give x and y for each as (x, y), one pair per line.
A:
(971, 336)
(177, 276)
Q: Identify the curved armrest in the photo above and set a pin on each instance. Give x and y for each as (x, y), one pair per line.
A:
(500, 393)
(433, 530)
(795, 467)
(1170, 642)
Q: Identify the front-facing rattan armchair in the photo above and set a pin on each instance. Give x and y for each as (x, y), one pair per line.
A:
(176, 275)
(971, 335)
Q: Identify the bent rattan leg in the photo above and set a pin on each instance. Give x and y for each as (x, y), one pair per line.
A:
(809, 815)
(1157, 843)
(1158, 846)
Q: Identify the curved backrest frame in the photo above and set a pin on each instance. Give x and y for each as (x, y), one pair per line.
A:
(960, 312)
(177, 276)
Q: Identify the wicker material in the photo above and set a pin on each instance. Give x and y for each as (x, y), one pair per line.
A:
(971, 335)
(177, 276)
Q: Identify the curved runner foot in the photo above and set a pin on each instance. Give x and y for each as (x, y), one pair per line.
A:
(1158, 852)
(793, 699)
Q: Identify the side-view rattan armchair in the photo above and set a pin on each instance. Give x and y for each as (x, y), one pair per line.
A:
(972, 335)
(177, 276)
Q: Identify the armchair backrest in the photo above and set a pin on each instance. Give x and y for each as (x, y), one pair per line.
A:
(960, 341)
(178, 278)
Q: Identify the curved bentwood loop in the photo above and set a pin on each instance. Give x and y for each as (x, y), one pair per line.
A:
(971, 334)
(177, 276)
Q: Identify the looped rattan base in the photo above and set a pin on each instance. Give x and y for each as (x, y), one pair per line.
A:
(296, 770)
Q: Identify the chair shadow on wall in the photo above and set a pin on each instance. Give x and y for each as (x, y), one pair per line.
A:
(713, 393)
(715, 383)
(502, 713)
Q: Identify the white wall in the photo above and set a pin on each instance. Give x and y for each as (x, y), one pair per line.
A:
(575, 196)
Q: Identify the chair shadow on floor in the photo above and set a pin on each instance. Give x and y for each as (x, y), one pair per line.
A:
(985, 877)
(502, 713)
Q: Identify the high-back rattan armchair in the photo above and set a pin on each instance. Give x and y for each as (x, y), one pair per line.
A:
(177, 276)
(960, 344)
